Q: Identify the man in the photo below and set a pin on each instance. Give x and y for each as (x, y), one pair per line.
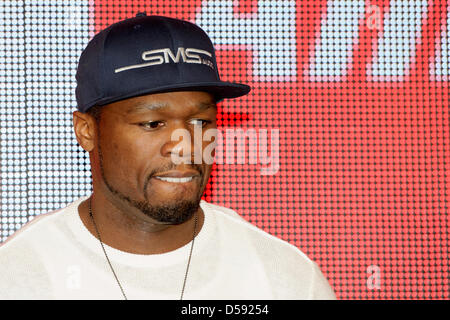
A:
(145, 233)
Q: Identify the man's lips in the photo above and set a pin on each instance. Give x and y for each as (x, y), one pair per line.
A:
(182, 180)
(177, 177)
(177, 174)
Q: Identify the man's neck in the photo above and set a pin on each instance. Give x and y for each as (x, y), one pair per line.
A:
(132, 234)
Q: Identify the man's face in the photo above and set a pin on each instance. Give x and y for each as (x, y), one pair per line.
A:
(135, 148)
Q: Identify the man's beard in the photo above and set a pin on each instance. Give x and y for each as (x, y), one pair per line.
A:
(176, 212)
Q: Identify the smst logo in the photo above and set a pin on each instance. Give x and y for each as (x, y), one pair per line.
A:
(160, 56)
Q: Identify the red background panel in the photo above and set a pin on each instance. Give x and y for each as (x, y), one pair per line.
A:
(363, 185)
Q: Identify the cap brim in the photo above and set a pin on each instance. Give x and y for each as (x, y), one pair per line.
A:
(220, 90)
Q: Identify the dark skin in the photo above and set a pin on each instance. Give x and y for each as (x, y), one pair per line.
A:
(134, 211)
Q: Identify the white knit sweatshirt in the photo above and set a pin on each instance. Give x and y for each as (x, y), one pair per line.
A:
(55, 257)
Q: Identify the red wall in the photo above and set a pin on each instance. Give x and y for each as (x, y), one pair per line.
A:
(363, 185)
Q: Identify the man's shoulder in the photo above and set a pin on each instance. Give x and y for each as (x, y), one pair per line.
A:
(38, 228)
(28, 230)
(262, 240)
(292, 274)
(23, 270)
(228, 212)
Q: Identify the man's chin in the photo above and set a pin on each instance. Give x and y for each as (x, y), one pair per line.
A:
(175, 212)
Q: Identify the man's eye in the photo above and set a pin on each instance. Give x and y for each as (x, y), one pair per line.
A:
(201, 122)
(156, 124)
(151, 124)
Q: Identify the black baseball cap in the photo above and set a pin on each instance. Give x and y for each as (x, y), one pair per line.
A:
(149, 54)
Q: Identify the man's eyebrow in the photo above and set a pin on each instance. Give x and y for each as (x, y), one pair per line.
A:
(206, 105)
(142, 106)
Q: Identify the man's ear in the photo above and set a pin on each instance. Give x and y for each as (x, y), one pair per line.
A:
(84, 126)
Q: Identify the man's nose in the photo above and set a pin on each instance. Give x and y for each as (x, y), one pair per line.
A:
(184, 144)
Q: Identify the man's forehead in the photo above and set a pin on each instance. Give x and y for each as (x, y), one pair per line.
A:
(143, 106)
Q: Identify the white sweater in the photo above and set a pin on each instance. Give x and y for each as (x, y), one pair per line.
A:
(55, 257)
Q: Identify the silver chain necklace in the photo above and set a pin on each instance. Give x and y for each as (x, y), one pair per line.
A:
(112, 269)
